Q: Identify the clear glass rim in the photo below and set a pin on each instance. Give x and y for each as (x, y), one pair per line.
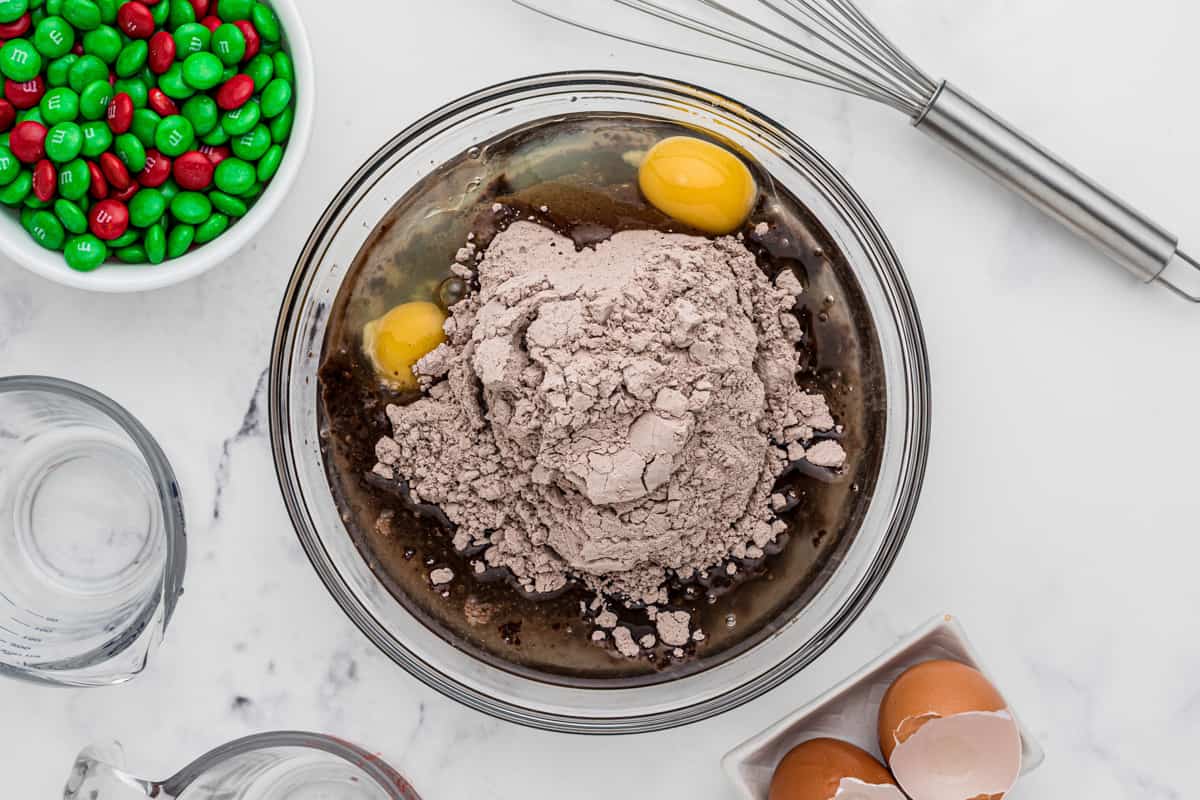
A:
(914, 368)
(167, 488)
(388, 779)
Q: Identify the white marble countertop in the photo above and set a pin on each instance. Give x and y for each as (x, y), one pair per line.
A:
(1060, 514)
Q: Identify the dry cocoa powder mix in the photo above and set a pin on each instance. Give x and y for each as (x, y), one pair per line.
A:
(617, 415)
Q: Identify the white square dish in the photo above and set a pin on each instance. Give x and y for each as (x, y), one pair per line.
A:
(849, 711)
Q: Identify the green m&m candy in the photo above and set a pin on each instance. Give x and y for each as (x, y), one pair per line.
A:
(54, 37)
(18, 189)
(85, 253)
(270, 162)
(174, 136)
(104, 42)
(182, 13)
(173, 84)
(211, 228)
(127, 238)
(59, 105)
(234, 176)
(131, 151)
(261, 69)
(74, 179)
(202, 71)
(234, 10)
(228, 204)
(253, 145)
(9, 166)
(47, 230)
(86, 70)
(191, 207)
(94, 100)
(132, 254)
(191, 38)
(97, 138)
(58, 73)
(147, 207)
(145, 125)
(70, 215)
(284, 68)
(12, 10)
(137, 90)
(108, 10)
(155, 243)
(160, 11)
(281, 126)
(64, 142)
(276, 98)
(216, 137)
(20, 61)
(229, 44)
(83, 14)
(180, 240)
(132, 59)
(241, 120)
(202, 112)
(266, 22)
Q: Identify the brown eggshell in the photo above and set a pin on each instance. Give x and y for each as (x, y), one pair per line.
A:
(814, 770)
(932, 690)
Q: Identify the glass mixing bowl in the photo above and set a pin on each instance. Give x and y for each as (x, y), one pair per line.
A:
(849, 580)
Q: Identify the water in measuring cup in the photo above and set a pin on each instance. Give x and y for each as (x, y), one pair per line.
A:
(274, 776)
(81, 541)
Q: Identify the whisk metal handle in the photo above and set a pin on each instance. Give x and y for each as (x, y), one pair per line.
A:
(1132, 239)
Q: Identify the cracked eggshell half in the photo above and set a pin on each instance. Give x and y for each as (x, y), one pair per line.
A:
(829, 769)
(948, 734)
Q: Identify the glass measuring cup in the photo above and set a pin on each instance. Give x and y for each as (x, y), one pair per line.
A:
(271, 766)
(92, 545)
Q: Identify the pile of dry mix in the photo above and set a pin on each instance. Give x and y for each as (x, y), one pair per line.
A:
(613, 415)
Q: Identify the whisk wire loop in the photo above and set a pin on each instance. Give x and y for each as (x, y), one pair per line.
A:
(829, 43)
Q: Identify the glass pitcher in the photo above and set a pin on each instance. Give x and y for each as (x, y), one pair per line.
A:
(270, 766)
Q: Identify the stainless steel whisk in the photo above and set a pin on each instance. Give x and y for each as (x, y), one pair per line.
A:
(832, 43)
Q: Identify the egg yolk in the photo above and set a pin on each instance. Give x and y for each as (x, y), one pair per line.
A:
(698, 183)
(402, 337)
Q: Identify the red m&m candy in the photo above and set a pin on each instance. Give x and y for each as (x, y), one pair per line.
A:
(253, 40)
(45, 181)
(109, 219)
(156, 171)
(28, 141)
(27, 94)
(136, 20)
(98, 188)
(162, 52)
(115, 170)
(193, 171)
(18, 27)
(120, 113)
(163, 105)
(236, 91)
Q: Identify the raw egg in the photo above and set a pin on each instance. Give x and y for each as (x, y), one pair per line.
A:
(400, 338)
(698, 183)
(948, 734)
(825, 769)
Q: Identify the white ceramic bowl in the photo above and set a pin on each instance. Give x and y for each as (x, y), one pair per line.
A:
(17, 244)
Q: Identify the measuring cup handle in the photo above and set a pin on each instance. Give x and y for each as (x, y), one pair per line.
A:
(96, 776)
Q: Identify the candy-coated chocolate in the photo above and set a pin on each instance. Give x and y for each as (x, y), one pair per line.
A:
(109, 219)
(162, 52)
(120, 113)
(28, 141)
(45, 180)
